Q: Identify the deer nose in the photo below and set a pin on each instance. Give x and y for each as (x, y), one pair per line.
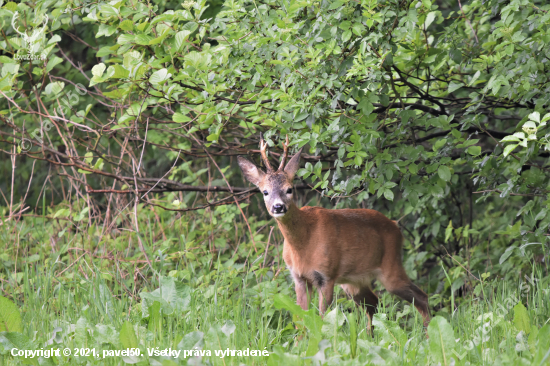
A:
(279, 208)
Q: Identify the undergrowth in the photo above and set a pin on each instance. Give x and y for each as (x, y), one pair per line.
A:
(197, 282)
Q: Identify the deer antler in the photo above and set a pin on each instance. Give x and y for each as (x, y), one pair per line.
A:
(263, 147)
(285, 154)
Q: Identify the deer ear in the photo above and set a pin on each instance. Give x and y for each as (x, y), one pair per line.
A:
(250, 171)
(292, 167)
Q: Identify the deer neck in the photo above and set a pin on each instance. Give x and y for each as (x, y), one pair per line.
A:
(293, 226)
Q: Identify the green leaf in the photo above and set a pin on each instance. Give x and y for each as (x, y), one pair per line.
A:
(64, 212)
(15, 340)
(456, 55)
(295, 7)
(180, 118)
(533, 339)
(228, 328)
(391, 331)
(458, 283)
(520, 135)
(521, 318)
(543, 344)
(11, 6)
(281, 301)
(303, 173)
(510, 138)
(159, 76)
(535, 116)
(365, 106)
(453, 85)
(444, 173)
(6, 60)
(125, 39)
(190, 26)
(53, 62)
(181, 37)
(317, 169)
(474, 78)
(388, 194)
(88, 157)
(117, 72)
(166, 17)
(98, 70)
(10, 318)
(174, 297)
(388, 61)
(312, 320)
(154, 315)
(159, 39)
(126, 25)
(333, 320)
(127, 336)
(81, 332)
(442, 340)
(136, 109)
(193, 340)
(215, 338)
(377, 355)
(449, 231)
(33, 258)
(109, 11)
(104, 51)
(54, 88)
(335, 4)
(439, 144)
(430, 18)
(507, 253)
(98, 164)
(508, 149)
(143, 39)
(346, 36)
(474, 150)
(341, 151)
(105, 30)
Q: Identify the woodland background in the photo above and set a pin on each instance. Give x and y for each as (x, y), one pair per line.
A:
(127, 223)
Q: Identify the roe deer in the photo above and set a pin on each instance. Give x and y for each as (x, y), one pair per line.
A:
(324, 247)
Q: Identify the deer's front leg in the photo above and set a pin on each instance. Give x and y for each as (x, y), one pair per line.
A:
(303, 291)
(325, 296)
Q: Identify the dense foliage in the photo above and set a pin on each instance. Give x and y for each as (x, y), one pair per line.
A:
(126, 113)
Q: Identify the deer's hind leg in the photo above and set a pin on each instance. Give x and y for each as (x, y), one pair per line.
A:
(411, 293)
(366, 298)
(398, 283)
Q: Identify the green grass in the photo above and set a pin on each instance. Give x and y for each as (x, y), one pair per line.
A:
(208, 288)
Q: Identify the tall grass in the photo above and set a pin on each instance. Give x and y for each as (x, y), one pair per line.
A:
(76, 290)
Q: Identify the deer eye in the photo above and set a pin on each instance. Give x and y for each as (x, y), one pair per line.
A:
(265, 193)
(289, 191)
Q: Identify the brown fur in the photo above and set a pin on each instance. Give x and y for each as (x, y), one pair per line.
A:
(346, 247)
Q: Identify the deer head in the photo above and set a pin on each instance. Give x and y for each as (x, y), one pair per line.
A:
(276, 186)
